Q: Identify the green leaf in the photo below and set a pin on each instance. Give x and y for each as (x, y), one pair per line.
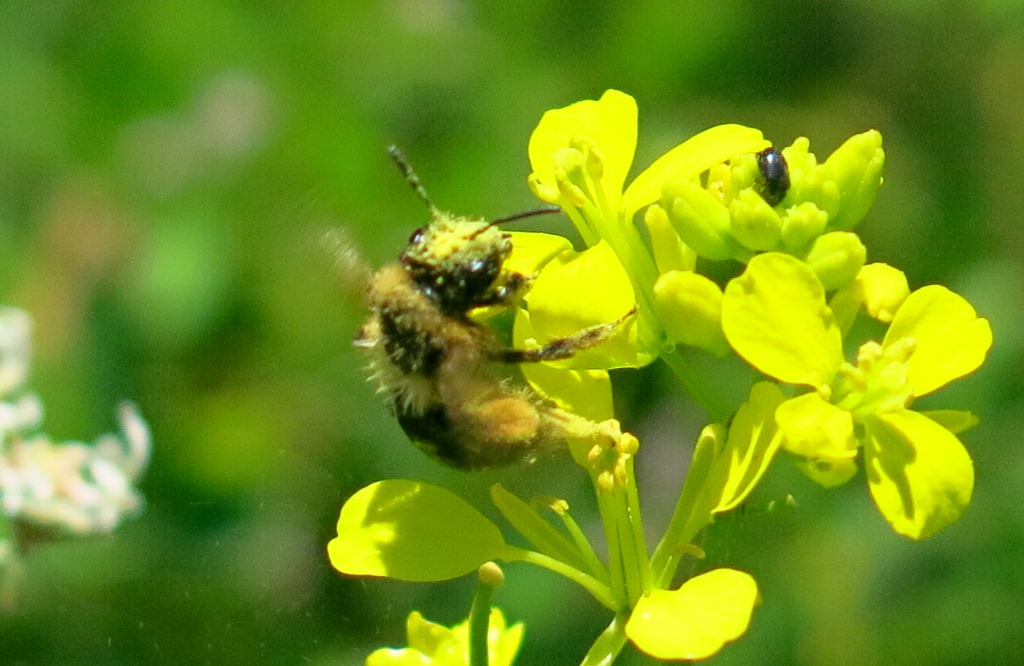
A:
(412, 531)
(698, 619)
(776, 318)
(920, 475)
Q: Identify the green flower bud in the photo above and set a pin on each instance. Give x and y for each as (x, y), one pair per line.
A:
(670, 252)
(836, 258)
(755, 224)
(856, 169)
(701, 220)
(689, 306)
(814, 186)
(719, 182)
(798, 157)
(801, 224)
(743, 172)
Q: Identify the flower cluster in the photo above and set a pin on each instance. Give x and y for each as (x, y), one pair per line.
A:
(802, 295)
(68, 488)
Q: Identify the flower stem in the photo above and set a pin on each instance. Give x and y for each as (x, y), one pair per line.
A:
(608, 645)
(594, 563)
(609, 520)
(714, 404)
(634, 518)
(597, 589)
(479, 623)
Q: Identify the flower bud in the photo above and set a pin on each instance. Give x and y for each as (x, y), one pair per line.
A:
(883, 290)
(743, 172)
(755, 224)
(689, 306)
(815, 186)
(670, 252)
(856, 169)
(700, 219)
(836, 258)
(798, 156)
(801, 224)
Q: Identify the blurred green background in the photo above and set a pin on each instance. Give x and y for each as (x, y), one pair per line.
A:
(167, 170)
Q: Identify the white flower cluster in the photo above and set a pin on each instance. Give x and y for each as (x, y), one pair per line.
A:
(69, 487)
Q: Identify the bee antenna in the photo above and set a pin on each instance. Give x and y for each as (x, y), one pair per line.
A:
(410, 176)
(543, 210)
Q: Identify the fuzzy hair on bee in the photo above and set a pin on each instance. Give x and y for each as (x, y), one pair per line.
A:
(435, 365)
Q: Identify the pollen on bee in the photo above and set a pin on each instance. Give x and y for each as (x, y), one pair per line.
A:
(509, 418)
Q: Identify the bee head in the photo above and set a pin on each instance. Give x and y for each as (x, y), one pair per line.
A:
(457, 261)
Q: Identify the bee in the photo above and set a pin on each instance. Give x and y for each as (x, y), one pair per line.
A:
(775, 172)
(435, 365)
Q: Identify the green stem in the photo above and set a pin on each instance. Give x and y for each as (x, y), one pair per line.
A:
(608, 645)
(479, 624)
(714, 404)
(586, 549)
(609, 520)
(635, 519)
(624, 535)
(597, 589)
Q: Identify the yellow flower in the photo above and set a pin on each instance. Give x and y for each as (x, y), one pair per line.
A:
(775, 316)
(432, 644)
(581, 156)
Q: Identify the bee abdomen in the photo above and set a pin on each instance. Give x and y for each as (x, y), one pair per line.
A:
(498, 432)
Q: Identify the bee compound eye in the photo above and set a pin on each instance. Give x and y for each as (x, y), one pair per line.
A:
(416, 237)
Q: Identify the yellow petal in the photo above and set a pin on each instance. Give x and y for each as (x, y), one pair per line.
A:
(816, 429)
(775, 317)
(531, 251)
(609, 124)
(950, 339)
(576, 291)
(584, 392)
(750, 448)
(698, 619)
(920, 475)
(689, 159)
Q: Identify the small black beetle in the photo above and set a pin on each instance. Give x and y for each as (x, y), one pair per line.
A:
(776, 175)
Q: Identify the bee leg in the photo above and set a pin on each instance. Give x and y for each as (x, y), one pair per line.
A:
(562, 348)
(602, 446)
